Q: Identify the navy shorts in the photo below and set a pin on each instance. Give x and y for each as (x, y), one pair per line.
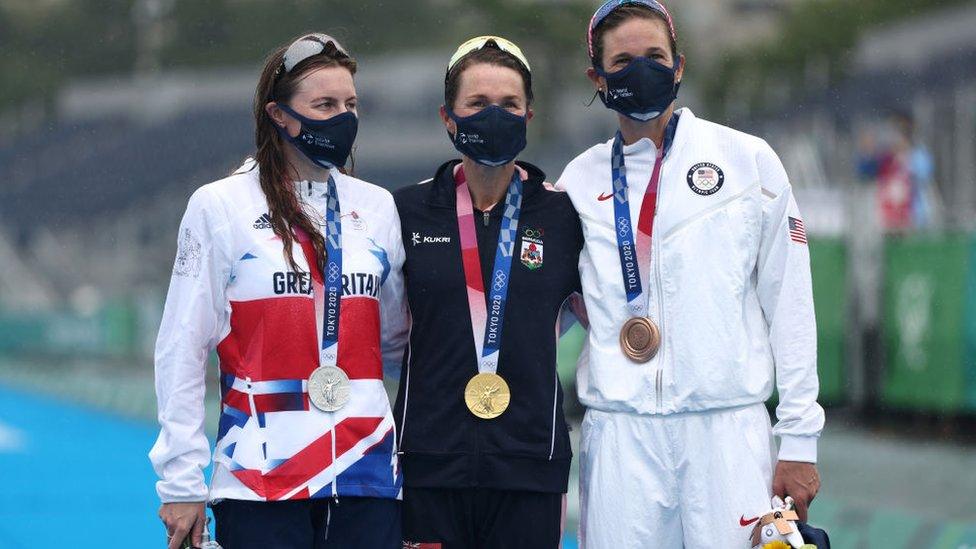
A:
(479, 518)
(350, 523)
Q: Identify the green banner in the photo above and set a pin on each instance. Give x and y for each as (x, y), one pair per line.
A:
(828, 267)
(567, 353)
(970, 330)
(112, 331)
(887, 527)
(924, 307)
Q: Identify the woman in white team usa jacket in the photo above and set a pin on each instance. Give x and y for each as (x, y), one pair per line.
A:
(696, 278)
(288, 268)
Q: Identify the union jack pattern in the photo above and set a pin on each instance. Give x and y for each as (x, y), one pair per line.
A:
(274, 444)
(271, 443)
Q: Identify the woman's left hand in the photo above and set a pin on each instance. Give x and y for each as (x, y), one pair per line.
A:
(181, 519)
(799, 480)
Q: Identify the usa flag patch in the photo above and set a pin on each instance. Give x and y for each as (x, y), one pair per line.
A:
(797, 232)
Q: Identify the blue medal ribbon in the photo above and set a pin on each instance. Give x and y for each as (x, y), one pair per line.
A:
(623, 227)
(332, 278)
(498, 291)
(487, 324)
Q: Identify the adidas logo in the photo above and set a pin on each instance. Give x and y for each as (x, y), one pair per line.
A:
(263, 222)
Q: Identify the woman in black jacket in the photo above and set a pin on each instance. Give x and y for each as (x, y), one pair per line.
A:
(491, 258)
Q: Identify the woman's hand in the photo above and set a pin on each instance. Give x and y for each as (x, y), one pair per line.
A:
(799, 480)
(181, 519)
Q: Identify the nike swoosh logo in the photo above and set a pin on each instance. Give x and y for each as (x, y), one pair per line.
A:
(603, 197)
(743, 522)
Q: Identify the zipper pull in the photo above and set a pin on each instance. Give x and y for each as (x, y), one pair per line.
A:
(486, 214)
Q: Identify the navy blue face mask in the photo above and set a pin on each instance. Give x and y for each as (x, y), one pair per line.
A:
(492, 136)
(642, 90)
(327, 143)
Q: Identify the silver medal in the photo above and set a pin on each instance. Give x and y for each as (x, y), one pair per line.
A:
(328, 388)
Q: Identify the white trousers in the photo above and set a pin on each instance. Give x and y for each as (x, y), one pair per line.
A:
(687, 480)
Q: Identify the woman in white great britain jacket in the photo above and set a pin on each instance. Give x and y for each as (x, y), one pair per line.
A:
(696, 279)
(305, 421)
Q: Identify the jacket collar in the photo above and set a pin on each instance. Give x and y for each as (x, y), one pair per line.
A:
(307, 188)
(685, 121)
(442, 191)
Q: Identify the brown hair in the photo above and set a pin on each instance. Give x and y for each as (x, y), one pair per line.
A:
(276, 84)
(616, 18)
(489, 56)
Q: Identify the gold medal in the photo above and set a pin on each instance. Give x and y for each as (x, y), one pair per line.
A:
(487, 395)
(640, 339)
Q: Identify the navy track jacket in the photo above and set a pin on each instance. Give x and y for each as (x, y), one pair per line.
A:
(442, 444)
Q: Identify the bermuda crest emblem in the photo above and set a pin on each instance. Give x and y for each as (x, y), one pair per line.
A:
(531, 255)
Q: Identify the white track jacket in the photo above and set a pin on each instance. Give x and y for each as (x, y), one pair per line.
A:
(232, 291)
(729, 283)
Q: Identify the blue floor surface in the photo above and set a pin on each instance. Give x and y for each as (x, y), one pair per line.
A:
(74, 477)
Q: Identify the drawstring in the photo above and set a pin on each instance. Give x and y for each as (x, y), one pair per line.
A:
(256, 417)
(335, 466)
(393, 454)
(328, 518)
(250, 397)
(555, 398)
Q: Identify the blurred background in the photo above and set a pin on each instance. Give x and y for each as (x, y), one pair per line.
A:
(113, 111)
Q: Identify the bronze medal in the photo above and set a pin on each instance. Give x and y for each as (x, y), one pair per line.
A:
(640, 339)
(487, 395)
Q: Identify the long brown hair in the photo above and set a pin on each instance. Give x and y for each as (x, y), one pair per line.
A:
(277, 84)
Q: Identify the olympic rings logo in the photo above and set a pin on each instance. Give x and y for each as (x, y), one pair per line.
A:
(333, 272)
(500, 279)
(533, 233)
(623, 226)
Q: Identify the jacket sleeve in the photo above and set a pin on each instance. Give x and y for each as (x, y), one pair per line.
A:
(786, 295)
(574, 309)
(194, 306)
(394, 314)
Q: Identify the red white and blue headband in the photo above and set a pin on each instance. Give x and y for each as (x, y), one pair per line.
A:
(610, 5)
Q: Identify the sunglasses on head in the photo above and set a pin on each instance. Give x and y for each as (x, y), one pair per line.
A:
(480, 42)
(307, 46)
